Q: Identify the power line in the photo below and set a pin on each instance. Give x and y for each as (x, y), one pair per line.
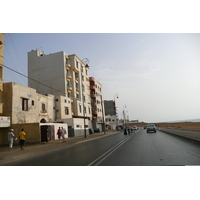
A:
(16, 52)
(32, 79)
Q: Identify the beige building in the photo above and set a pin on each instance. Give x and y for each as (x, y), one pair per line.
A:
(29, 110)
(66, 75)
(4, 120)
(1, 69)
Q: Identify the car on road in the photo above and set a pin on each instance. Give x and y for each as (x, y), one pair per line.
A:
(151, 128)
(135, 128)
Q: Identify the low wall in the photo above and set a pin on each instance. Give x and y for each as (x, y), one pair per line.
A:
(194, 135)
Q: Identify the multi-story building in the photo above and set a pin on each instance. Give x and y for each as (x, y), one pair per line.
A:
(66, 75)
(98, 114)
(110, 114)
(1, 69)
(4, 120)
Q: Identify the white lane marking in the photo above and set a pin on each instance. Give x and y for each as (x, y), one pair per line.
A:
(110, 151)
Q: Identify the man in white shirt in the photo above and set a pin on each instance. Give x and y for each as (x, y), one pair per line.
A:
(11, 136)
(63, 131)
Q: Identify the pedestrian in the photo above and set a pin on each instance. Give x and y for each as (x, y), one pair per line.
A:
(63, 131)
(125, 131)
(59, 133)
(22, 139)
(11, 136)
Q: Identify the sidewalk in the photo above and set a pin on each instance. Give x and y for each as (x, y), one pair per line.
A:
(37, 149)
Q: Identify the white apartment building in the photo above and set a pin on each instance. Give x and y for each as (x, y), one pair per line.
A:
(67, 75)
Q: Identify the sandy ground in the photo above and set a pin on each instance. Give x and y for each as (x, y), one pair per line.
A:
(191, 126)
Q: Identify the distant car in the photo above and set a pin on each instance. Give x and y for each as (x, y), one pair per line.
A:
(135, 128)
(151, 128)
(145, 127)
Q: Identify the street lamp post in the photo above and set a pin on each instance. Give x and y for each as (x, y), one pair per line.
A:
(104, 129)
(85, 61)
(124, 112)
(117, 96)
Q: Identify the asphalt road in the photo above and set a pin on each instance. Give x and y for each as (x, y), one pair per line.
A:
(138, 149)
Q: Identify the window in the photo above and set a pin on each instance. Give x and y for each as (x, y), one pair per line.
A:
(24, 104)
(66, 111)
(80, 108)
(43, 107)
(32, 103)
(77, 64)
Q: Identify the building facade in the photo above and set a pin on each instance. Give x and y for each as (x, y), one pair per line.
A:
(1, 69)
(98, 113)
(30, 110)
(110, 114)
(66, 75)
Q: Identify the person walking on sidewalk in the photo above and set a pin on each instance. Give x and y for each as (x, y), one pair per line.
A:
(22, 139)
(63, 134)
(59, 133)
(11, 136)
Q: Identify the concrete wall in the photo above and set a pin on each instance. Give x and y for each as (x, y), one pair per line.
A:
(49, 70)
(31, 130)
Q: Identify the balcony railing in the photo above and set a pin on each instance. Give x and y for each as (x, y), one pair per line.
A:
(92, 87)
(94, 112)
(67, 64)
(69, 76)
(94, 104)
(93, 95)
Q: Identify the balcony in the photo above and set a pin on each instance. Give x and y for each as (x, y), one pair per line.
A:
(92, 79)
(94, 104)
(94, 112)
(92, 87)
(93, 95)
(69, 88)
(69, 76)
(67, 64)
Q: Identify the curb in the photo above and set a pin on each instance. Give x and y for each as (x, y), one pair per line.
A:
(179, 135)
(33, 150)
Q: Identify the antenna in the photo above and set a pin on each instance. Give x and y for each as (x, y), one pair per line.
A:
(42, 50)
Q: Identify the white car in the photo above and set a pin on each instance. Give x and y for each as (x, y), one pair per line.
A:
(135, 128)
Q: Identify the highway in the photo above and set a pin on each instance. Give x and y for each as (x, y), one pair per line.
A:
(137, 149)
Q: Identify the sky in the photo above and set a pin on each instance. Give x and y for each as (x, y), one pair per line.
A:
(154, 75)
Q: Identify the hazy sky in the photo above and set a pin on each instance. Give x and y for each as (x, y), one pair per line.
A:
(156, 76)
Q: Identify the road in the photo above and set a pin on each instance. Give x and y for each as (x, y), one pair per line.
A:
(138, 149)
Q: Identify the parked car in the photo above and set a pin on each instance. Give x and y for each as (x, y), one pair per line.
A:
(151, 128)
(145, 127)
(97, 130)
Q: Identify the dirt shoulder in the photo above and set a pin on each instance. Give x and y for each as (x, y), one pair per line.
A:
(190, 126)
